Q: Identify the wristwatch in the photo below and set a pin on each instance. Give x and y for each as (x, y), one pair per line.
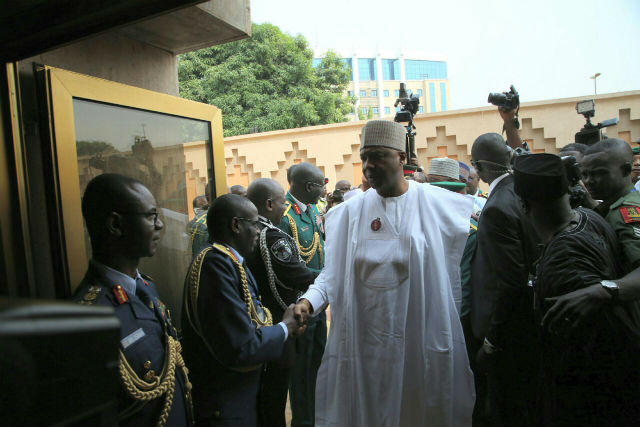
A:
(612, 288)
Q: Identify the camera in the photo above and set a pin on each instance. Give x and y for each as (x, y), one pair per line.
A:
(590, 133)
(576, 192)
(506, 100)
(408, 109)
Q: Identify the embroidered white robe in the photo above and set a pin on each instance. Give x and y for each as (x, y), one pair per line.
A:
(396, 354)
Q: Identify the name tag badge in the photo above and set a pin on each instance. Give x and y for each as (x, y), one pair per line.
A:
(132, 338)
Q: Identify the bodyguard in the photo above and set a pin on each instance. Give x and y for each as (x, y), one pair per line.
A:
(122, 219)
(302, 221)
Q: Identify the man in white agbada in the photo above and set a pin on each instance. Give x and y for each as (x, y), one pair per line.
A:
(395, 355)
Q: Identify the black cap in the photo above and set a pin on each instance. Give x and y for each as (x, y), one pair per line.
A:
(539, 177)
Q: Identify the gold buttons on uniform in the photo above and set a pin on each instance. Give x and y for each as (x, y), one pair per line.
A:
(150, 376)
(147, 364)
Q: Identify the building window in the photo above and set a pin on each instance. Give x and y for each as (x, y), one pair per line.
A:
(397, 109)
(387, 110)
(374, 92)
(432, 97)
(367, 69)
(350, 93)
(419, 92)
(421, 109)
(443, 97)
(375, 110)
(363, 93)
(364, 110)
(397, 92)
(421, 70)
(390, 69)
(386, 93)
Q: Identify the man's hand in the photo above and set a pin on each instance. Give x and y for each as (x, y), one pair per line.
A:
(302, 311)
(293, 326)
(508, 117)
(485, 361)
(510, 127)
(571, 310)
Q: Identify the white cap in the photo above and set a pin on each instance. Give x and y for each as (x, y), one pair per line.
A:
(383, 133)
(445, 167)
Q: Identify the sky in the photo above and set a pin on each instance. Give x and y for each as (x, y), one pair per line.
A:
(546, 49)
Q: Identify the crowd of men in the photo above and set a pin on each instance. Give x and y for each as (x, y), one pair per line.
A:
(449, 305)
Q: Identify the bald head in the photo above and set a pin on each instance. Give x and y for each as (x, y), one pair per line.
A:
(223, 210)
(268, 196)
(239, 190)
(343, 185)
(419, 177)
(491, 155)
(304, 171)
(307, 183)
(106, 193)
(616, 149)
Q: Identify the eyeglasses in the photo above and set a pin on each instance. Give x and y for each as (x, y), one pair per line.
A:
(316, 184)
(253, 222)
(147, 214)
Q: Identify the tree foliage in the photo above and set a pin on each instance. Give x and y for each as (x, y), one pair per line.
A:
(84, 148)
(267, 82)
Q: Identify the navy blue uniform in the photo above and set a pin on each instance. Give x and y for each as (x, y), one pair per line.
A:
(226, 360)
(144, 321)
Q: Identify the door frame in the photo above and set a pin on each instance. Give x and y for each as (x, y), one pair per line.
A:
(63, 86)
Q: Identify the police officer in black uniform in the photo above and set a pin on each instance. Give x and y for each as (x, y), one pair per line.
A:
(281, 276)
(122, 219)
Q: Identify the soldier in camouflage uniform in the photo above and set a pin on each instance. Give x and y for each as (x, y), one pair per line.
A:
(302, 221)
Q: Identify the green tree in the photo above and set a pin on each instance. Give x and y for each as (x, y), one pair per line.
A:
(84, 148)
(369, 113)
(267, 82)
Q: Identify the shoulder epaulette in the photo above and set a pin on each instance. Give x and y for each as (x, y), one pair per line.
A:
(120, 294)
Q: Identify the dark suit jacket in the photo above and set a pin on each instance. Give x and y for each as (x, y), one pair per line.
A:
(148, 346)
(222, 394)
(502, 301)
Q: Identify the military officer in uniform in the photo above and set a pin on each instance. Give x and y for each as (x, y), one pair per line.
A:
(122, 219)
(228, 333)
(302, 221)
(197, 227)
(606, 172)
(281, 276)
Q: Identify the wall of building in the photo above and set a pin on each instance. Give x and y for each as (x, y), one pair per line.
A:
(547, 126)
(114, 57)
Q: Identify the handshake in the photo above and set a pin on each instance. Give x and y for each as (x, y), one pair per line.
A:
(296, 317)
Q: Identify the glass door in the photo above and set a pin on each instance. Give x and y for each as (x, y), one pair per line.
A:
(172, 145)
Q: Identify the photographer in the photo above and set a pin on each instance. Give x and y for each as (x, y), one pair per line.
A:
(606, 171)
(587, 379)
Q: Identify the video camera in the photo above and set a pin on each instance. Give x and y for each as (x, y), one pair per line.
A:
(590, 133)
(577, 193)
(408, 109)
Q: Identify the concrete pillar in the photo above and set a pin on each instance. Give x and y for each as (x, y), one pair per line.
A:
(380, 85)
(356, 83)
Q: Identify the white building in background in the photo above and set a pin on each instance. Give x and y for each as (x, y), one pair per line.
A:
(376, 78)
